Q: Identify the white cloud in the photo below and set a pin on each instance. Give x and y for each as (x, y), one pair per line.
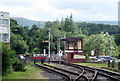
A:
(46, 10)
(86, 0)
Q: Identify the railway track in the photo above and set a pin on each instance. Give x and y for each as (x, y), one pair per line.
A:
(101, 74)
(69, 75)
(81, 76)
(114, 76)
(80, 73)
(65, 76)
(90, 74)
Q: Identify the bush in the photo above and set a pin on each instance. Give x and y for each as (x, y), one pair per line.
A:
(7, 59)
(18, 66)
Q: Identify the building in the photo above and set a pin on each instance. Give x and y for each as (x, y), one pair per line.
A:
(73, 49)
(5, 27)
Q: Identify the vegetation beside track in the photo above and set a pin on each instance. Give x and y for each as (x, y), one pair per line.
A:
(96, 65)
(57, 65)
(30, 73)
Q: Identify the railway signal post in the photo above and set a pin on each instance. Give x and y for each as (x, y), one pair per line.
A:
(49, 45)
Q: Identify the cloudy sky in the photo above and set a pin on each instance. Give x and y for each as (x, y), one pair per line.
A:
(44, 10)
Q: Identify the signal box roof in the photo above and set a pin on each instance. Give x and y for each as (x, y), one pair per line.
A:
(72, 38)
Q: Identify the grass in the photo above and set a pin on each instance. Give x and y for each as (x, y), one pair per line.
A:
(45, 66)
(53, 64)
(0, 78)
(94, 65)
(116, 65)
(30, 73)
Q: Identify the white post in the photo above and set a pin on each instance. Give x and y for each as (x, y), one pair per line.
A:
(44, 52)
(60, 55)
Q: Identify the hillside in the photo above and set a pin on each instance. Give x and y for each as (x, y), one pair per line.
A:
(102, 22)
(28, 22)
(41, 24)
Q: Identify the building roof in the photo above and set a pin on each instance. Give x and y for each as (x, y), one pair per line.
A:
(73, 38)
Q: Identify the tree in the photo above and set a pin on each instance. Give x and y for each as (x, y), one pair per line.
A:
(117, 39)
(56, 33)
(97, 28)
(31, 39)
(7, 59)
(68, 25)
(117, 54)
(18, 44)
(103, 41)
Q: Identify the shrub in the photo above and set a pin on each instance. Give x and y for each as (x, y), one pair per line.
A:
(7, 59)
(18, 66)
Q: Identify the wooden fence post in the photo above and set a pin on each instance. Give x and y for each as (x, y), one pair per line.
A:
(108, 63)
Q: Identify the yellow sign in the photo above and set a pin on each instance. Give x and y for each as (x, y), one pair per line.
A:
(45, 41)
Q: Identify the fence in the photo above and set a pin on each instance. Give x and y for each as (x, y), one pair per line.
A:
(114, 65)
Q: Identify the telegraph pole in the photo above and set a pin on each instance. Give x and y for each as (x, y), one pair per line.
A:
(49, 45)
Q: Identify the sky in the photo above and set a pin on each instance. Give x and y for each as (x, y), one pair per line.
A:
(50, 10)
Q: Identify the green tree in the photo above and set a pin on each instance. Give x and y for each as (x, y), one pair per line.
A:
(117, 54)
(56, 33)
(32, 38)
(97, 28)
(103, 41)
(7, 59)
(68, 25)
(117, 39)
(18, 44)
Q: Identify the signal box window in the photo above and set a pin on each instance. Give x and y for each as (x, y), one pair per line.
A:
(79, 45)
(72, 44)
(66, 45)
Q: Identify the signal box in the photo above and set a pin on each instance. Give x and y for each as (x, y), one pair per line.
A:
(73, 49)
